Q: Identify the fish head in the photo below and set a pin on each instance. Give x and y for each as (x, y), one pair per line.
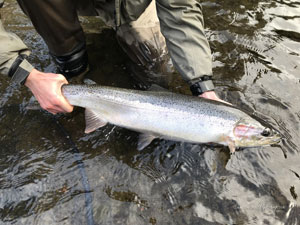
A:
(250, 133)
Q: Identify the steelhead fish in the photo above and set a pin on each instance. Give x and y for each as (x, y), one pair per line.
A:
(162, 114)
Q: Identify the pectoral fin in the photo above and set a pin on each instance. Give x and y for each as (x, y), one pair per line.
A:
(232, 147)
(93, 121)
(145, 140)
(230, 143)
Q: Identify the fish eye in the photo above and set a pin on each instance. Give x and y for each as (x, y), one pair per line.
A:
(266, 132)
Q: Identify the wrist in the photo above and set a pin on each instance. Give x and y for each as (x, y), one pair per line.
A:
(31, 77)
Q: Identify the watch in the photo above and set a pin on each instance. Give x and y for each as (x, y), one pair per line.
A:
(204, 84)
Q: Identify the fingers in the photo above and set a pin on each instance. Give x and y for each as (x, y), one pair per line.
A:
(60, 106)
(213, 96)
(54, 112)
(46, 87)
(58, 103)
(64, 105)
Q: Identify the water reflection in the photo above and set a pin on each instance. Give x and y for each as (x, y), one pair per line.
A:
(256, 65)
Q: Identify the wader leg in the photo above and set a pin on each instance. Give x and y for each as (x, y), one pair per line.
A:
(138, 34)
(144, 43)
(57, 22)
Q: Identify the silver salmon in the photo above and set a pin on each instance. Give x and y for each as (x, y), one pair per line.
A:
(162, 114)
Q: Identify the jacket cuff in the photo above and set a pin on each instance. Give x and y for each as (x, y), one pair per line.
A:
(20, 70)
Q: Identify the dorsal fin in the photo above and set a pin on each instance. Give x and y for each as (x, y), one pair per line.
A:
(89, 81)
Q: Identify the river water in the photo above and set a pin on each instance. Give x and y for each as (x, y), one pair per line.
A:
(53, 173)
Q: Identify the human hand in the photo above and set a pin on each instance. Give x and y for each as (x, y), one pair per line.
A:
(46, 87)
(213, 96)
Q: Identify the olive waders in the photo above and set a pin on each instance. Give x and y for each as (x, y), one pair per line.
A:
(138, 31)
(58, 23)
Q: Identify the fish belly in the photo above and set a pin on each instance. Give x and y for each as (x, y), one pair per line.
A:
(173, 125)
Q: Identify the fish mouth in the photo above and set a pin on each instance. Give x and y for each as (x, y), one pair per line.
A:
(274, 139)
(260, 141)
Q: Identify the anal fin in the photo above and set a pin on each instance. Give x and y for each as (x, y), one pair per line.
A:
(93, 121)
(145, 140)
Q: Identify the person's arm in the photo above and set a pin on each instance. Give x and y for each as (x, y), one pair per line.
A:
(44, 86)
(183, 27)
(13, 53)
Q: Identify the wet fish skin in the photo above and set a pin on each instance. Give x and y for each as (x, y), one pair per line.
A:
(168, 115)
